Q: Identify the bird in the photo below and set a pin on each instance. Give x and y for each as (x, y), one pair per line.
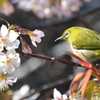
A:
(84, 42)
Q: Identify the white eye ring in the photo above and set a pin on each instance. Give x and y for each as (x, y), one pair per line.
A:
(67, 34)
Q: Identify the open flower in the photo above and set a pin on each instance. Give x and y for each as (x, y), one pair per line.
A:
(9, 60)
(22, 92)
(4, 81)
(58, 96)
(36, 37)
(8, 39)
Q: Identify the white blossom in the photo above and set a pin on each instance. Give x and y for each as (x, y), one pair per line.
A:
(36, 37)
(23, 91)
(8, 39)
(5, 81)
(9, 60)
(58, 96)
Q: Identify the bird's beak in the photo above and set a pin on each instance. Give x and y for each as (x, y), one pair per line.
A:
(59, 38)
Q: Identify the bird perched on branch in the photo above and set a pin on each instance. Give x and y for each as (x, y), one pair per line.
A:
(85, 43)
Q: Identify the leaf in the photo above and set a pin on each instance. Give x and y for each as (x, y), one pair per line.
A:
(85, 82)
(25, 47)
(92, 90)
(97, 89)
(89, 89)
(81, 61)
(75, 84)
(76, 57)
(85, 64)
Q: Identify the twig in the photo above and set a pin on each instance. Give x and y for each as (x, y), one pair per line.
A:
(49, 58)
(46, 87)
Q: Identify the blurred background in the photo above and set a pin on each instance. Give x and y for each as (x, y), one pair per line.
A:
(39, 76)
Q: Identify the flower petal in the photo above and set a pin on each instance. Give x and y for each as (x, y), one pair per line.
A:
(39, 33)
(12, 45)
(16, 60)
(2, 56)
(12, 36)
(24, 88)
(37, 39)
(11, 53)
(4, 30)
(16, 44)
(1, 47)
(33, 42)
(57, 95)
(11, 80)
(9, 69)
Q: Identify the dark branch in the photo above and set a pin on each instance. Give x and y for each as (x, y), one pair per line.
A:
(49, 58)
(46, 87)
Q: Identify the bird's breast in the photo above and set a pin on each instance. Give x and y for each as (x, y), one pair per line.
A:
(86, 55)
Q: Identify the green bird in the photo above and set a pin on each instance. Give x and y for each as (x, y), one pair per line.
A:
(85, 43)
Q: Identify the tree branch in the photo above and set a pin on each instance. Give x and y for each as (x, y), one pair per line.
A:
(46, 87)
(49, 58)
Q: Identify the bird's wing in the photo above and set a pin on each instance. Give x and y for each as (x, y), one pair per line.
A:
(89, 40)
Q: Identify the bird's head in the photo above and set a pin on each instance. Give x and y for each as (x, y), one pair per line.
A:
(69, 34)
(66, 34)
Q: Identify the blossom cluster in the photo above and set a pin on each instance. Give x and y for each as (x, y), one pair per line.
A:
(50, 8)
(19, 94)
(9, 58)
(43, 8)
(58, 96)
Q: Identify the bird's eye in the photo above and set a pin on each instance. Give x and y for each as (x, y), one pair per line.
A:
(67, 34)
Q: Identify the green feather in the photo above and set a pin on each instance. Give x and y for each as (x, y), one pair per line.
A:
(83, 38)
(85, 43)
